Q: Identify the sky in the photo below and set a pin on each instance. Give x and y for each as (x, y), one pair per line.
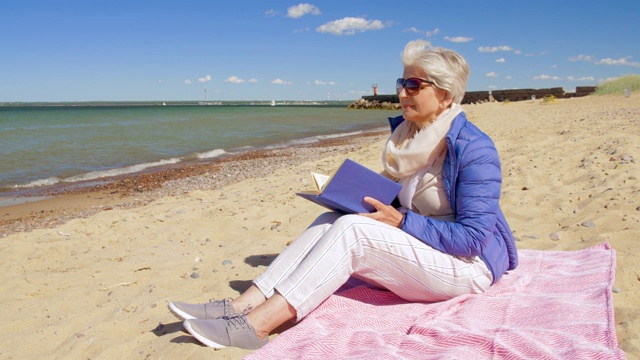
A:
(192, 50)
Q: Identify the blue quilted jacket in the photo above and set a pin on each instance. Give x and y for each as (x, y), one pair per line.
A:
(472, 178)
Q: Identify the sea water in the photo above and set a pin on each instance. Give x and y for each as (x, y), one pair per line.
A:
(45, 145)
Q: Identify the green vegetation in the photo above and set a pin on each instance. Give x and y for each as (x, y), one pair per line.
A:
(618, 85)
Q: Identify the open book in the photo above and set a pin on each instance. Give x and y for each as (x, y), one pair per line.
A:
(345, 190)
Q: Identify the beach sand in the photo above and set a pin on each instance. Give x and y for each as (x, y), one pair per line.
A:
(89, 274)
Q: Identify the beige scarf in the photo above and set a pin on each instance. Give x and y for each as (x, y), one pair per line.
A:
(411, 152)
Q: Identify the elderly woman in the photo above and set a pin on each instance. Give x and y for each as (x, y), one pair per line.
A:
(448, 237)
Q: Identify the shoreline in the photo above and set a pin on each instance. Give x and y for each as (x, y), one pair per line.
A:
(54, 205)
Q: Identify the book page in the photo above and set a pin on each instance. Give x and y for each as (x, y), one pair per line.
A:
(320, 180)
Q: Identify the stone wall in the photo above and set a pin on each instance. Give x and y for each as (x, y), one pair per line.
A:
(472, 97)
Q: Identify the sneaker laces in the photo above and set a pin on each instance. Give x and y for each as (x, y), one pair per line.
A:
(221, 302)
(227, 303)
(238, 320)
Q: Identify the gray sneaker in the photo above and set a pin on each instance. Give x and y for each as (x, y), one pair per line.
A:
(212, 310)
(227, 331)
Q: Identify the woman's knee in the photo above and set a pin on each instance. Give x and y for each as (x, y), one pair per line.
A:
(326, 218)
(348, 228)
(348, 220)
(354, 222)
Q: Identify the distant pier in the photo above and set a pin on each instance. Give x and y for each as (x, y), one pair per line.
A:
(475, 97)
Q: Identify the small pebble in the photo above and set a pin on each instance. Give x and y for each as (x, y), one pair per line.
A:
(589, 224)
(195, 275)
(555, 236)
(227, 262)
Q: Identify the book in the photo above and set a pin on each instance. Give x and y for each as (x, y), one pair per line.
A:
(345, 190)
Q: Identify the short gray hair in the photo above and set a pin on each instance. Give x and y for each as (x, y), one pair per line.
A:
(445, 67)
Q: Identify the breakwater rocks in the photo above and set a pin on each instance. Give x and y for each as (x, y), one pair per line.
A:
(386, 102)
(391, 102)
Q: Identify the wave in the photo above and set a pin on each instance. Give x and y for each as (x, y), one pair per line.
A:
(121, 171)
(100, 174)
(211, 154)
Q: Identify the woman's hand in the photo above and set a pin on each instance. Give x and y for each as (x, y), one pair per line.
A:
(384, 213)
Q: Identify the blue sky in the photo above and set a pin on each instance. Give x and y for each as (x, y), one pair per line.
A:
(93, 50)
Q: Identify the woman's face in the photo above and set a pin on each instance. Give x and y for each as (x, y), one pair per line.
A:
(424, 107)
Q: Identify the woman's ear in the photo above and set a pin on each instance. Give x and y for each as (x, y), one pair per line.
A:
(446, 101)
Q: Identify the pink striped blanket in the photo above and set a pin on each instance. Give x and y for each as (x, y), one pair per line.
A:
(556, 305)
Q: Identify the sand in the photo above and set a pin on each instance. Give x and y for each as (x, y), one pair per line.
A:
(89, 275)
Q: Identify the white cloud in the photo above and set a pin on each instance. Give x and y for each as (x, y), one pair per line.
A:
(253, 81)
(301, 10)
(271, 13)
(491, 74)
(584, 78)
(414, 30)
(301, 30)
(621, 61)
(492, 49)
(318, 82)
(547, 77)
(188, 82)
(281, 82)
(458, 39)
(430, 33)
(581, 57)
(234, 80)
(606, 61)
(349, 26)
(204, 79)
(501, 60)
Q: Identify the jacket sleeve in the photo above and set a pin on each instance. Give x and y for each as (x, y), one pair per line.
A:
(476, 196)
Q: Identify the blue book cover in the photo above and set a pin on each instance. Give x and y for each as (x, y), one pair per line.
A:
(345, 190)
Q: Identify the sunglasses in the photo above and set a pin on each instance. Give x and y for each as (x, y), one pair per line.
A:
(412, 85)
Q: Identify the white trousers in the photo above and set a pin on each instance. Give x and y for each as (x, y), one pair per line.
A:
(336, 247)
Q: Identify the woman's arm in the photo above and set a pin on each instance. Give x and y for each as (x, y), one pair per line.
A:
(477, 195)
